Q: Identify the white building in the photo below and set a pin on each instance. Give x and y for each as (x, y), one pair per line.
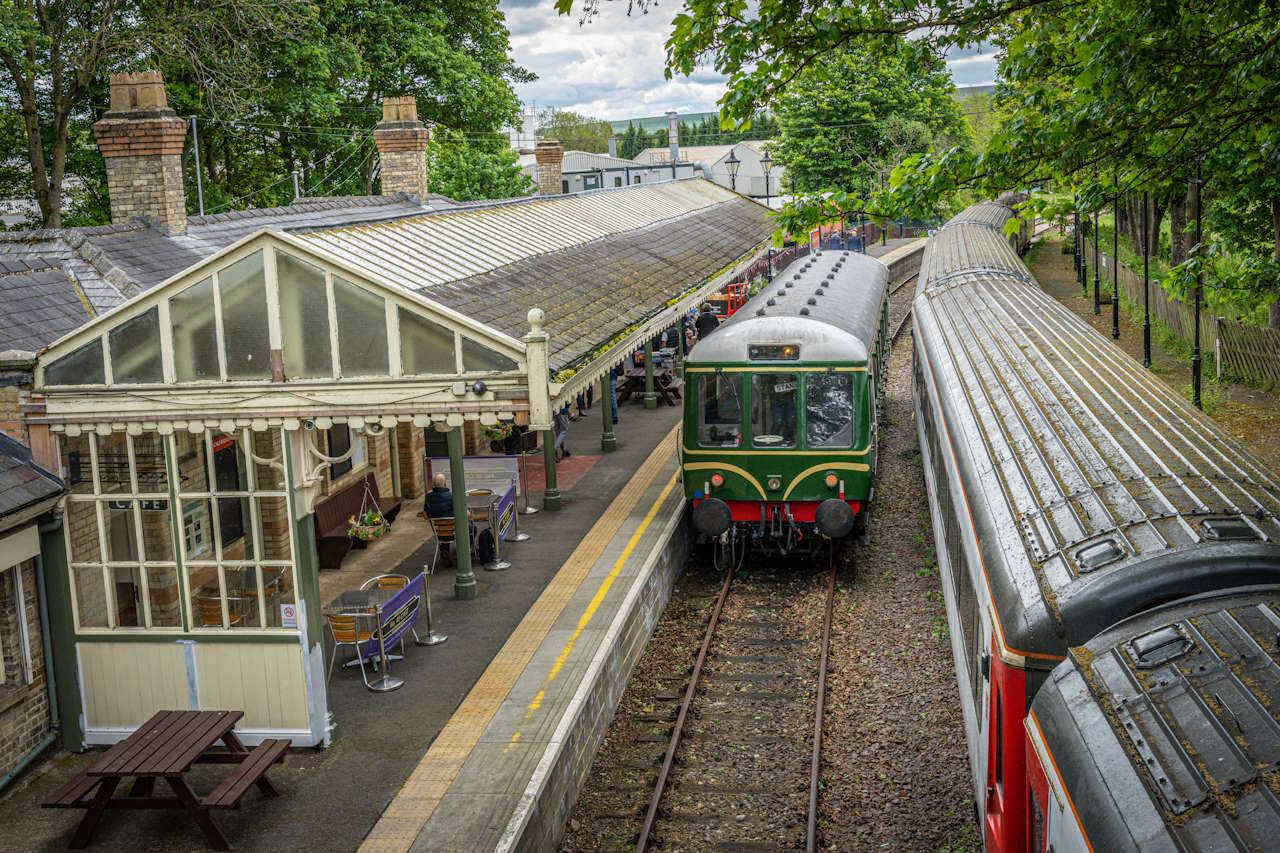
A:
(710, 161)
(584, 170)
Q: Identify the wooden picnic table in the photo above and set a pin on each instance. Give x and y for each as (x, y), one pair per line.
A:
(165, 747)
(665, 385)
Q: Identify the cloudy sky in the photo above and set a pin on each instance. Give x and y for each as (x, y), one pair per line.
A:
(613, 67)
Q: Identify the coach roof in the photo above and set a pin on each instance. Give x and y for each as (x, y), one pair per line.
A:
(829, 305)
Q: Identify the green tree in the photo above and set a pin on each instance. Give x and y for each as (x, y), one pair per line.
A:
(467, 170)
(575, 131)
(853, 116)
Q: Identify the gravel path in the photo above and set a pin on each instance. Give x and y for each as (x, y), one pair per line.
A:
(896, 769)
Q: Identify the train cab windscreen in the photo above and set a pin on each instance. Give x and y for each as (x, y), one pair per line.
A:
(828, 410)
(720, 411)
(774, 409)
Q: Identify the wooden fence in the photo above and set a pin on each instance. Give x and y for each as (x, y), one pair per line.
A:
(1243, 350)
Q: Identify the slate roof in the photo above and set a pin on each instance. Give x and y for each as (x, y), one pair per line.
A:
(22, 482)
(42, 301)
(594, 291)
(111, 263)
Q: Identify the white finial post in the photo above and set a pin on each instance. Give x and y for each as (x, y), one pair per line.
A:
(536, 345)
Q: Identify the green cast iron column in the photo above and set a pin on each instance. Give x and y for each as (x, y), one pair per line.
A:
(551, 496)
(650, 398)
(608, 441)
(464, 582)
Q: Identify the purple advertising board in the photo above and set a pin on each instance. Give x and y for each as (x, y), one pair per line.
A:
(506, 513)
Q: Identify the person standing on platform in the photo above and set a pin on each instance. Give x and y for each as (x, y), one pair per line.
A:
(707, 321)
(613, 393)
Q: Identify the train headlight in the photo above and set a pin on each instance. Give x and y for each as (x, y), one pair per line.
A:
(717, 479)
(775, 483)
(831, 481)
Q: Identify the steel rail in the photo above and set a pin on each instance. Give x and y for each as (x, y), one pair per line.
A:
(811, 840)
(642, 842)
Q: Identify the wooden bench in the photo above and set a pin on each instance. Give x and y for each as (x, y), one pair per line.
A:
(333, 513)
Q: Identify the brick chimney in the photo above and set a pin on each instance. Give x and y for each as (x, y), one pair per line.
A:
(402, 147)
(549, 156)
(141, 140)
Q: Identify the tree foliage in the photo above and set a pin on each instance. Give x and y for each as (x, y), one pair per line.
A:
(275, 88)
(853, 116)
(467, 170)
(575, 131)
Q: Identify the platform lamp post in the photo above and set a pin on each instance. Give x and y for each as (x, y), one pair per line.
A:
(733, 164)
(1146, 287)
(1075, 235)
(766, 166)
(1084, 258)
(1195, 352)
(1115, 256)
(464, 581)
(1097, 293)
(650, 398)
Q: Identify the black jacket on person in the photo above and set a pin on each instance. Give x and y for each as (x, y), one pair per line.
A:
(439, 503)
(707, 323)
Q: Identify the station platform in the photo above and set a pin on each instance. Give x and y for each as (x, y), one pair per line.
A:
(504, 769)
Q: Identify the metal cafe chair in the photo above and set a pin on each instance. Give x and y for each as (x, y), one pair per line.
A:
(209, 609)
(444, 534)
(346, 632)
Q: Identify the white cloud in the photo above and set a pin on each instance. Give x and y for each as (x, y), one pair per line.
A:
(613, 66)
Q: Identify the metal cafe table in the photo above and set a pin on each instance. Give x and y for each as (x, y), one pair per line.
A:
(371, 603)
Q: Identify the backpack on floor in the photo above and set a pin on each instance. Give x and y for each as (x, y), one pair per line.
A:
(485, 550)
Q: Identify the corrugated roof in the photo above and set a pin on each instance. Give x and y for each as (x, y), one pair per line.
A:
(597, 289)
(423, 251)
(586, 161)
(688, 154)
(41, 302)
(22, 482)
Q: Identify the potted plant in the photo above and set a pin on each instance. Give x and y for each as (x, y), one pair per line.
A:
(367, 527)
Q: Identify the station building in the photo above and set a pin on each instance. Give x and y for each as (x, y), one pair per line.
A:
(232, 370)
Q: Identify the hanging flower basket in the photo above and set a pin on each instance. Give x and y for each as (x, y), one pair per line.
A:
(368, 526)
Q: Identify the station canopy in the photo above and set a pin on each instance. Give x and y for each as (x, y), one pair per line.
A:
(422, 318)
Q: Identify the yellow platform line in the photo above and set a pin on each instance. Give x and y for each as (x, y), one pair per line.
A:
(413, 805)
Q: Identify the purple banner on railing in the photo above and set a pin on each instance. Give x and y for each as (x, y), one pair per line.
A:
(398, 616)
(506, 513)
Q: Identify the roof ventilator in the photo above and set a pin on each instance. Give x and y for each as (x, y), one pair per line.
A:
(804, 312)
(811, 301)
(819, 292)
(1159, 646)
(770, 302)
(1095, 555)
(1226, 529)
(760, 311)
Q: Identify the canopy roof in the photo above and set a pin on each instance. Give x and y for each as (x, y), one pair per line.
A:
(401, 317)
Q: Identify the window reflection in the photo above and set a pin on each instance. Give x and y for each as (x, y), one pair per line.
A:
(828, 410)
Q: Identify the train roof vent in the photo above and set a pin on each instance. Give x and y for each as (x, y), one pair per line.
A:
(819, 292)
(1159, 646)
(782, 292)
(811, 301)
(1226, 529)
(790, 284)
(770, 301)
(796, 276)
(831, 276)
(759, 312)
(804, 312)
(1095, 555)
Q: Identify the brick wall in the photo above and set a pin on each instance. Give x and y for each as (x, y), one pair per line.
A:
(10, 417)
(402, 148)
(550, 157)
(24, 708)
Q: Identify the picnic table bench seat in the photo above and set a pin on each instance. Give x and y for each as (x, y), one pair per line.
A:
(333, 513)
(246, 774)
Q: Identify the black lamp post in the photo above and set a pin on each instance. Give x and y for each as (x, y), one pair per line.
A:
(1115, 257)
(1146, 287)
(766, 166)
(1097, 293)
(1084, 259)
(732, 163)
(1075, 235)
(1195, 353)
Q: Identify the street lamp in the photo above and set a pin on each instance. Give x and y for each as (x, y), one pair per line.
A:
(766, 166)
(732, 163)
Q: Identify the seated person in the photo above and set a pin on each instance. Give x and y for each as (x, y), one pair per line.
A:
(439, 503)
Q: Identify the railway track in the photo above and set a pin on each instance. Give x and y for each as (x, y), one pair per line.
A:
(900, 307)
(735, 756)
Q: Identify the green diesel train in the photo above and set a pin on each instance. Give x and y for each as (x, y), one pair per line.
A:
(778, 445)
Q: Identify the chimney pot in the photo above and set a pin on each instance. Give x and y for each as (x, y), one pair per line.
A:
(549, 156)
(402, 147)
(141, 140)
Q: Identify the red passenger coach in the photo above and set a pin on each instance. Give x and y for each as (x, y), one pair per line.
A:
(1068, 490)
